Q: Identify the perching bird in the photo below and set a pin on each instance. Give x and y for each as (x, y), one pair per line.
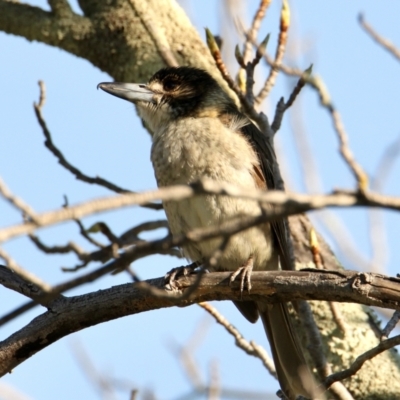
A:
(198, 132)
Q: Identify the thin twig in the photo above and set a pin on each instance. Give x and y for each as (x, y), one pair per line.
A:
(289, 203)
(246, 65)
(360, 360)
(132, 235)
(347, 154)
(11, 280)
(250, 348)
(103, 382)
(282, 106)
(103, 228)
(63, 249)
(255, 27)
(18, 203)
(280, 52)
(127, 239)
(312, 181)
(66, 164)
(385, 43)
(17, 312)
(260, 119)
(24, 274)
(214, 387)
(185, 354)
(338, 317)
(317, 84)
(390, 325)
(377, 232)
(86, 235)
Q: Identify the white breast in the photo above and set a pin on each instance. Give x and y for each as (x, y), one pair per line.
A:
(203, 147)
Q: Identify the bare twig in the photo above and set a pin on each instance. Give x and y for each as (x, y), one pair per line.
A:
(131, 236)
(24, 274)
(11, 280)
(390, 325)
(103, 228)
(63, 161)
(17, 312)
(280, 51)
(128, 238)
(317, 84)
(347, 154)
(251, 348)
(245, 65)
(255, 27)
(214, 388)
(289, 203)
(377, 231)
(68, 248)
(260, 119)
(18, 203)
(385, 165)
(86, 235)
(386, 44)
(185, 353)
(360, 360)
(338, 317)
(330, 221)
(132, 274)
(282, 106)
(105, 383)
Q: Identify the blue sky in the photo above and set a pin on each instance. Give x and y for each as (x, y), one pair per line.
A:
(103, 136)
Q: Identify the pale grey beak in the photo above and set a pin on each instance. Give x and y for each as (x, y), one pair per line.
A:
(132, 92)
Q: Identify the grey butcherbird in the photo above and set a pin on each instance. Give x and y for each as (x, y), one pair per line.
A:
(198, 132)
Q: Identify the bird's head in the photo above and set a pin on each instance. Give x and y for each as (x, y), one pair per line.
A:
(173, 93)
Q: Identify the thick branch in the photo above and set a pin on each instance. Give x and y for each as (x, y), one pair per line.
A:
(71, 314)
(33, 23)
(113, 36)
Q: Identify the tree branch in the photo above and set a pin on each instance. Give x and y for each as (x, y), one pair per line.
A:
(33, 23)
(289, 204)
(68, 315)
(383, 42)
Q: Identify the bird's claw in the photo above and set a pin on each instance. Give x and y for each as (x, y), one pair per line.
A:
(245, 272)
(171, 277)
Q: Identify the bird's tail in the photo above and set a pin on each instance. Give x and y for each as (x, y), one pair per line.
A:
(294, 376)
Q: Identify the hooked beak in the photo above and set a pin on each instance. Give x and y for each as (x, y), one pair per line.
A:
(132, 92)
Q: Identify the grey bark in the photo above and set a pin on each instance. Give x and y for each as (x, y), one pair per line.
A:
(66, 315)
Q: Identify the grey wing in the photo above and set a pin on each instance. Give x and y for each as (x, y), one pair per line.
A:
(268, 163)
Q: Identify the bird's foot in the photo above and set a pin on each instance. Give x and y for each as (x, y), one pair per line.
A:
(245, 272)
(171, 277)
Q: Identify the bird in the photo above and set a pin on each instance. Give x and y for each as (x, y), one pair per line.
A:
(199, 133)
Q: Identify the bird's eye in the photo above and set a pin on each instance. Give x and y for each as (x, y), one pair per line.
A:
(170, 84)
